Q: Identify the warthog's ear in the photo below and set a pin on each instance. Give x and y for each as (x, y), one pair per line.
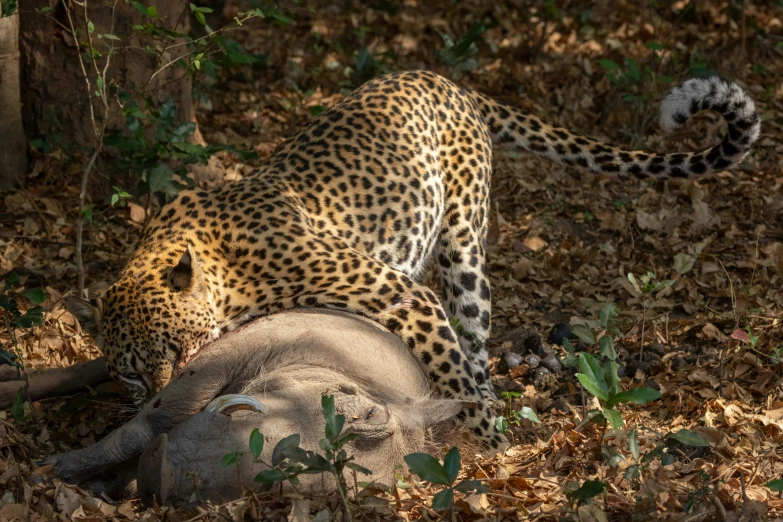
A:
(435, 411)
(88, 315)
(188, 275)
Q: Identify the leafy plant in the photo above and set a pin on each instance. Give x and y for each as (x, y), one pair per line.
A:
(459, 55)
(646, 285)
(603, 383)
(13, 319)
(156, 149)
(430, 469)
(512, 415)
(289, 461)
(587, 491)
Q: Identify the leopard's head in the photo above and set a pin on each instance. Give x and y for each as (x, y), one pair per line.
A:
(152, 320)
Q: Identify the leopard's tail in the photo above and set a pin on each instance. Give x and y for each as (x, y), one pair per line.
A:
(514, 128)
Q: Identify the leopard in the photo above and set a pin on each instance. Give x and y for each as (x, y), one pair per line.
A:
(346, 213)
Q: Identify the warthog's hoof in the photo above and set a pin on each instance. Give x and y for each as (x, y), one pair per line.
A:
(156, 476)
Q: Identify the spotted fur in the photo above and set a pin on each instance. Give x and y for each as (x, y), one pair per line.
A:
(345, 214)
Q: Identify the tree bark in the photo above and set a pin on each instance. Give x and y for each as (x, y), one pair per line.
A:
(56, 102)
(13, 146)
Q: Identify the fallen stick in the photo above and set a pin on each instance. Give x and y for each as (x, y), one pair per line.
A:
(51, 382)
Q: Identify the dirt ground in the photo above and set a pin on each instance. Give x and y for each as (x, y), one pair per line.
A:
(561, 246)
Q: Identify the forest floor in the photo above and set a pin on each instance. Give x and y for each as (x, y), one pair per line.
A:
(561, 247)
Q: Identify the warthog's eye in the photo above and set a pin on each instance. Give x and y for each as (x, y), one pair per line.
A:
(369, 412)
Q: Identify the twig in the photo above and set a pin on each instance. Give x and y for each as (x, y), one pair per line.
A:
(80, 223)
(744, 496)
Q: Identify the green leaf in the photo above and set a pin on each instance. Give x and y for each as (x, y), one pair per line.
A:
(451, 463)
(775, 485)
(567, 345)
(611, 455)
(683, 263)
(471, 486)
(632, 472)
(606, 344)
(87, 213)
(443, 500)
(36, 295)
(592, 372)
(8, 358)
(609, 313)
(334, 423)
(140, 8)
(584, 333)
(689, 438)
(592, 386)
(230, 459)
(110, 36)
(427, 467)
(315, 110)
(360, 469)
(286, 444)
(612, 379)
(633, 443)
(609, 65)
(270, 476)
(527, 413)
(501, 424)
(90, 27)
(315, 464)
(195, 8)
(614, 417)
(17, 410)
(632, 280)
(152, 12)
(654, 454)
(635, 395)
(588, 490)
(280, 17)
(33, 317)
(159, 177)
(256, 443)
(655, 46)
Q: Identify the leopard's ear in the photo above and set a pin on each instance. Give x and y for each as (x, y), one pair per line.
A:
(89, 316)
(188, 276)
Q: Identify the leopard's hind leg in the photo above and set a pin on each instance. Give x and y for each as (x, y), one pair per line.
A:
(460, 253)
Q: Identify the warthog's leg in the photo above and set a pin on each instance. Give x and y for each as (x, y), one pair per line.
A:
(52, 381)
(204, 379)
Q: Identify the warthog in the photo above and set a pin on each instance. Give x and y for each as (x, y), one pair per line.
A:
(280, 365)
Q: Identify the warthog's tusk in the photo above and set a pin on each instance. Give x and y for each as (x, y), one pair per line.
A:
(233, 402)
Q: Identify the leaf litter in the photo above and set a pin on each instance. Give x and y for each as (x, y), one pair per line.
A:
(561, 245)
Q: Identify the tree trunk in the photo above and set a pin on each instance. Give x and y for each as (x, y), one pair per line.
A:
(13, 146)
(56, 102)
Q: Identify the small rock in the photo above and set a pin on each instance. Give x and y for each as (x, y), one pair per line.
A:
(540, 373)
(532, 343)
(655, 348)
(559, 331)
(508, 361)
(545, 350)
(561, 405)
(532, 360)
(650, 383)
(552, 363)
(621, 371)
